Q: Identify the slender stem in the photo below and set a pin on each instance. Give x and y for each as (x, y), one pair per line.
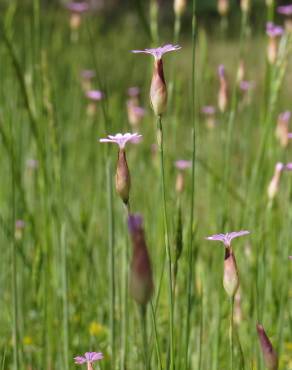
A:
(143, 313)
(167, 245)
(190, 245)
(231, 331)
(65, 299)
(156, 336)
(111, 261)
(177, 27)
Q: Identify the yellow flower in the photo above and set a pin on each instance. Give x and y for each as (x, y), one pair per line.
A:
(96, 329)
(27, 340)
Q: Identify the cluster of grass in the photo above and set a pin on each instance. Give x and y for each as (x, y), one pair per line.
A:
(62, 272)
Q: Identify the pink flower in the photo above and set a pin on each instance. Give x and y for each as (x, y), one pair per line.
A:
(285, 9)
(95, 95)
(288, 167)
(158, 52)
(182, 164)
(226, 238)
(87, 74)
(273, 30)
(221, 71)
(122, 139)
(209, 110)
(89, 358)
(246, 85)
(78, 7)
(290, 257)
(134, 91)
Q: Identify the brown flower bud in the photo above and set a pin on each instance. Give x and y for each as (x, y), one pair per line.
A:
(75, 21)
(158, 91)
(269, 354)
(230, 276)
(123, 179)
(141, 281)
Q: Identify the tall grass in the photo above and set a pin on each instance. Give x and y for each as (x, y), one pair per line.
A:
(63, 281)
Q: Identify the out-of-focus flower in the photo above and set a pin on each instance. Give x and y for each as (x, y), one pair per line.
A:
(32, 164)
(230, 276)
(269, 354)
(240, 71)
(94, 96)
(134, 92)
(245, 6)
(135, 114)
(223, 89)
(19, 228)
(123, 178)
(96, 329)
(273, 187)
(27, 341)
(290, 257)
(89, 358)
(141, 280)
(179, 7)
(274, 32)
(209, 111)
(158, 90)
(282, 129)
(181, 165)
(87, 76)
(246, 85)
(286, 10)
(223, 7)
(76, 9)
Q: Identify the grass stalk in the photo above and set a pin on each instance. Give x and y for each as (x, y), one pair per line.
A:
(231, 328)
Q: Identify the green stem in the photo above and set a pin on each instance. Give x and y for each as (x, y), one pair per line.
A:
(143, 313)
(167, 245)
(65, 299)
(156, 336)
(231, 331)
(190, 245)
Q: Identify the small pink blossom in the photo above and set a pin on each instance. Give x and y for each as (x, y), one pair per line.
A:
(290, 257)
(285, 9)
(226, 238)
(78, 7)
(160, 51)
(134, 91)
(288, 167)
(95, 95)
(122, 139)
(183, 164)
(89, 357)
(209, 110)
(273, 30)
(221, 71)
(246, 85)
(87, 74)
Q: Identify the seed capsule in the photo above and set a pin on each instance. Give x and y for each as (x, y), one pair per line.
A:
(123, 178)
(230, 276)
(158, 90)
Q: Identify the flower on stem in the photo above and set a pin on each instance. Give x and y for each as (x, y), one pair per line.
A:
(89, 358)
(245, 6)
(135, 114)
(179, 7)
(181, 165)
(76, 9)
(282, 129)
(158, 90)
(269, 354)
(240, 71)
(123, 178)
(286, 10)
(141, 280)
(230, 277)
(209, 111)
(87, 76)
(223, 89)
(274, 32)
(94, 96)
(19, 228)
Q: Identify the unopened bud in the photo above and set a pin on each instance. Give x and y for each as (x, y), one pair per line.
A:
(75, 21)
(282, 129)
(158, 91)
(269, 354)
(272, 50)
(135, 113)
(245, 5)
(230, 277)
(240, 72)
(179, 7)
(123, 179)
(141, 280)
(223, 89)
(273, 187)
(223, 7)
(180, 182)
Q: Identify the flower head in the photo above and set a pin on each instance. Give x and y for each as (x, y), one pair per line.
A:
(221, 71)
(122, 139)
(89, 357)
(182, 164)
(285, 9)
(95, 95)
(288, 167)
(158, 52)
(78, 7)
(273, 30)
(87, 74)
(246, 85)
(209, 110)
(226, 238)
(134, 91)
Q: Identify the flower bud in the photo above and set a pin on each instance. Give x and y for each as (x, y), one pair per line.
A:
(180, 182)
(282, 129)
(141, 281)
(240, 72)
(230, 276)
(272, 50)
(245, 5)
(179, 7)
(75, 21)
(123, 179)
(135, 113)
(223, 97)
(158, 91)
(269, 354)
(273, 187)
(223, 7)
